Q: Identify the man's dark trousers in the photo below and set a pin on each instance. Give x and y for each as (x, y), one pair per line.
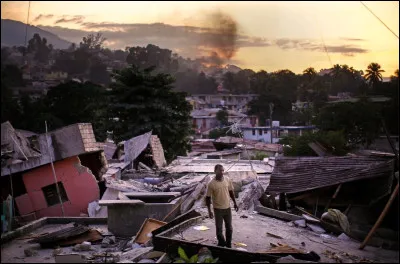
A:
(223, 215)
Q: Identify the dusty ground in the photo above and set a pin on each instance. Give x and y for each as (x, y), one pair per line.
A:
(13, 252)
(252, 232)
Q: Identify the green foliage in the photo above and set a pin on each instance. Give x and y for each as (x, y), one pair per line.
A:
(333, 141)
(360, 121)
(182, 254)
(259, 156)
(222, 117)
(221, 132)
(183, 258)
(143, 101)
(278, 88)
(374, 74)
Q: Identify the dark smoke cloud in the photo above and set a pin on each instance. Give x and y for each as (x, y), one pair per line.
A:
(65, 19)
(42, 16)
(221, 37)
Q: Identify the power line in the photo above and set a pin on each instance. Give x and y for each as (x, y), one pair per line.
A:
(379, 19)
(27, 22)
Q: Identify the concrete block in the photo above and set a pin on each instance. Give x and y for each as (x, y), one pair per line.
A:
(277, 214)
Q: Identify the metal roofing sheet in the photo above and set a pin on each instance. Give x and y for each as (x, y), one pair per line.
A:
(293, 175)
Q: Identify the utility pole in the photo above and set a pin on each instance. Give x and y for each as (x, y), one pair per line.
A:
(271, 109)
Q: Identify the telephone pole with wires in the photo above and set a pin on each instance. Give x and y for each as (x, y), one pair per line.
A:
(26, 29)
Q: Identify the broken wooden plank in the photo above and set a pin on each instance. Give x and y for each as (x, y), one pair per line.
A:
(333, 197)
(277, 214)
(148, 226)
(380, 219)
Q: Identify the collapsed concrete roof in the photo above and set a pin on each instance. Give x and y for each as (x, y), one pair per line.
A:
(68, 141)
(15, 144)
(187, 165)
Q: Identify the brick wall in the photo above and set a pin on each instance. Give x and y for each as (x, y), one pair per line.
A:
(158, 152)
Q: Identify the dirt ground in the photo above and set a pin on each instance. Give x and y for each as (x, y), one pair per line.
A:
(252, 231)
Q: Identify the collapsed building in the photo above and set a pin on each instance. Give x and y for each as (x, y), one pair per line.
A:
(28, 177)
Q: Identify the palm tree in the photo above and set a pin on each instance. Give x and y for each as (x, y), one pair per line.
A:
(310, 73)
(336, 70)
(373, 75)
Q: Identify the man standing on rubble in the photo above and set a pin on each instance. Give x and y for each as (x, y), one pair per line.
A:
(220, 189)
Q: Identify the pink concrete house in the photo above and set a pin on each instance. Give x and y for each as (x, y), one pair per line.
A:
(78, 187)
(79, 163)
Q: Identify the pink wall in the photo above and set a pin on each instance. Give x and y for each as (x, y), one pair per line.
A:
(80, 185)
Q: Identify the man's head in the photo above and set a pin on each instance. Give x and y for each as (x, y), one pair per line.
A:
(219, 170)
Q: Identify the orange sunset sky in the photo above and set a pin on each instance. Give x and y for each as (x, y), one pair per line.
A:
(277, 35)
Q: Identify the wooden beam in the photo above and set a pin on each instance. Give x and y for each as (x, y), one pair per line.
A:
(381, 217)
(333, 197)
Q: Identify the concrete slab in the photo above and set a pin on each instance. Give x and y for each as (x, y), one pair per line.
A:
(253, 232)
(120, 202)
(277, 214)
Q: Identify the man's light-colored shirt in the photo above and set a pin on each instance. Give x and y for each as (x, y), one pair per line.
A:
(219, 192)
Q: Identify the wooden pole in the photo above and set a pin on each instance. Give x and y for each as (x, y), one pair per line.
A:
(333, 197)
(381, 217)
(54, 171)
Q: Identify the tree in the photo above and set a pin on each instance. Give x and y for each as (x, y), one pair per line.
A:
(12, 76)
(74, 102)
(92, 42)
(142, 101)
(310, 73)
(333, 141)
(38, 46)
(221, 132)
(222, 117)
(374, 74)
(152, 56)
(280, 89)
(359, 121)
(10, 110)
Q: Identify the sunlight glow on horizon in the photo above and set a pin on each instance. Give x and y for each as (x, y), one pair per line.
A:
(328, 22)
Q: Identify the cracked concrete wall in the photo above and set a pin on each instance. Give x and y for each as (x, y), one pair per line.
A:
(79, 184)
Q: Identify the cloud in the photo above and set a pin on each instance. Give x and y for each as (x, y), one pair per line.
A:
(42, 17)
(69, 19)
(203, 42)
(344, 49)
(352, 39)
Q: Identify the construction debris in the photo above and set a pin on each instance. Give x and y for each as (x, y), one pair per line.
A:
(29, 252)
(85, 246)
(278, 214)
(149, 225)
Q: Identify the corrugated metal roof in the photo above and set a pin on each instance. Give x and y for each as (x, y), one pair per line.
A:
(293, 175)
(134, 146)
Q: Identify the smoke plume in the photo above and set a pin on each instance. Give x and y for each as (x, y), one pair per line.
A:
(219, 38)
